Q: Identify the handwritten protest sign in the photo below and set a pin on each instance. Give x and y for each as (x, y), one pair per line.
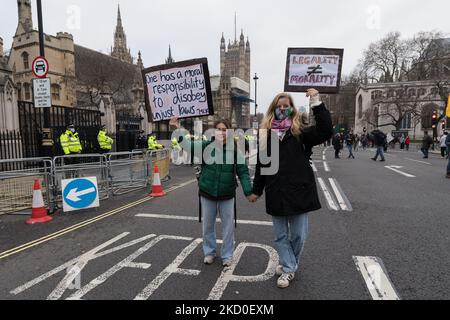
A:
(181, 90)
(316, 68)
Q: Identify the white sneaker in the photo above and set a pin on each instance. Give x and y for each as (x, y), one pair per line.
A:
(209, 260)
(285, 279)
(279, 271)
(227, 263)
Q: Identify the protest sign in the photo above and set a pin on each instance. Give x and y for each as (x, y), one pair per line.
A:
(181, 90)
(316, 68)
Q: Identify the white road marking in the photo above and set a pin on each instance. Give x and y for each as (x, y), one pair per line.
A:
(186, 218)
(396, 169)
(376, 278)
(327, 168)
(126, 263)
(314, 167)
(324, 158)
(340, 196)
(331, 204)
(228, 275)
(88, 256)
(418, 161)
(173, 268)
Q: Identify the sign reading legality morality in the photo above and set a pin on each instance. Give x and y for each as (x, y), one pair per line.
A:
(316, 68)
(181, 90)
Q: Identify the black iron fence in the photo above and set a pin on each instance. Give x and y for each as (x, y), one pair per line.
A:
(32, 123)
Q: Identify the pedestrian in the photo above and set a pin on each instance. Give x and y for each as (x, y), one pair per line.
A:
(357, 143)
(104, 141)
(407, 142)
(350, 140)
(443, 144)
(402, 142)
(379, 141)
(217, 189)
(426, 145)
(337, 145)
(291, 193)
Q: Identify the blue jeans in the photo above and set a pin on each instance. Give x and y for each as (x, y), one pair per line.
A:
(350, 150)
(380, 152)
(290, 236)
(425, 152)
(226, 210)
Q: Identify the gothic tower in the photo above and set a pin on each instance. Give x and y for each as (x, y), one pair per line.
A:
(120, 50)
(25, 17)
(169, 59)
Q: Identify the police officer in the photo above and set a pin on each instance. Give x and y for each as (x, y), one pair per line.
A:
(105, 142)
(70, 142)
(141, 142)
(153, 144)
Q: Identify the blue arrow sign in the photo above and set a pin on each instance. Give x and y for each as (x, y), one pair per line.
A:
(80, 193)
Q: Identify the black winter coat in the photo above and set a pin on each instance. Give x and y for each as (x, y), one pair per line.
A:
(293, 190)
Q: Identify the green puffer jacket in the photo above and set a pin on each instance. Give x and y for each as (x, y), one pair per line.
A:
(216, 180)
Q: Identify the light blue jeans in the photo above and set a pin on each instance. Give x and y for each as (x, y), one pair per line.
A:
(290, 237)
(226, 211)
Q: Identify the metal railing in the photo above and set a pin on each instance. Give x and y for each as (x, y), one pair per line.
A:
(116, 173)
(128, 171)
(17, 182)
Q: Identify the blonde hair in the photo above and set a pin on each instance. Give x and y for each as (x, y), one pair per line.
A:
(297, 116)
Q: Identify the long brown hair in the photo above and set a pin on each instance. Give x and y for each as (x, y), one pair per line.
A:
(297, 123)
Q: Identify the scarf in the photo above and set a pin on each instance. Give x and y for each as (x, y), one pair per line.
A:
(282, 126)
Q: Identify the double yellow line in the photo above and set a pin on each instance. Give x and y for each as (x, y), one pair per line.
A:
(60, 233)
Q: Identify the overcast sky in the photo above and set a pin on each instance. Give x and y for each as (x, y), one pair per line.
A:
(194, 28)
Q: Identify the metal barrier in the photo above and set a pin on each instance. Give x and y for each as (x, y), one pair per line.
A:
(161, 158)
(116, 173)
(16, 186)
(75, 166)
(128, 171)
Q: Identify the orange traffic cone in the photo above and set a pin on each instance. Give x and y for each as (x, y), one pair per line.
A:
(39, 213)
(157, 189)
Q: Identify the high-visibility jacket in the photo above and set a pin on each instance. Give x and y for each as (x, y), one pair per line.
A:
(153, 144)
(70, 143)
(104, 141)
(175, 145)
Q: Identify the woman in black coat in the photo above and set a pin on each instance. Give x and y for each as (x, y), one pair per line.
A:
(291, 193)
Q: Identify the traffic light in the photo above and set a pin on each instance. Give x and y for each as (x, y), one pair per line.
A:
(434, 120)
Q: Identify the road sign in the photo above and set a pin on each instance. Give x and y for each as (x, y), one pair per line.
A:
(41, 93)
(79, 194)
(40, 67)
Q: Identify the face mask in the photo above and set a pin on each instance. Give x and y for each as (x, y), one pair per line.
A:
(72, 130)
(283, 114)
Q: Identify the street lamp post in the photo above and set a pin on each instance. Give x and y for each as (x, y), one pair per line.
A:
(256, 94)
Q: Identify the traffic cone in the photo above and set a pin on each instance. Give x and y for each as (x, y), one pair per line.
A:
(39, 213)
(157, 189)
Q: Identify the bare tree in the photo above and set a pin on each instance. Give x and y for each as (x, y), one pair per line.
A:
(383, 60)
(392, 110)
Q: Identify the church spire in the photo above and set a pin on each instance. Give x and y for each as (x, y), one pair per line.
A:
(169, 59)
(140, 63)
(120, 50)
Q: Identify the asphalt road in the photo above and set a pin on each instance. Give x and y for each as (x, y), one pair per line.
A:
(382, 234)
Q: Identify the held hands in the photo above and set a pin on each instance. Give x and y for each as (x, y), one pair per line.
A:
(253, 198)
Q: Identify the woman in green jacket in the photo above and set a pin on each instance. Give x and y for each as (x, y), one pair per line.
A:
(217, 188)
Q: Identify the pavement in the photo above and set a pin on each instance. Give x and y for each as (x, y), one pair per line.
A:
(382, 234)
